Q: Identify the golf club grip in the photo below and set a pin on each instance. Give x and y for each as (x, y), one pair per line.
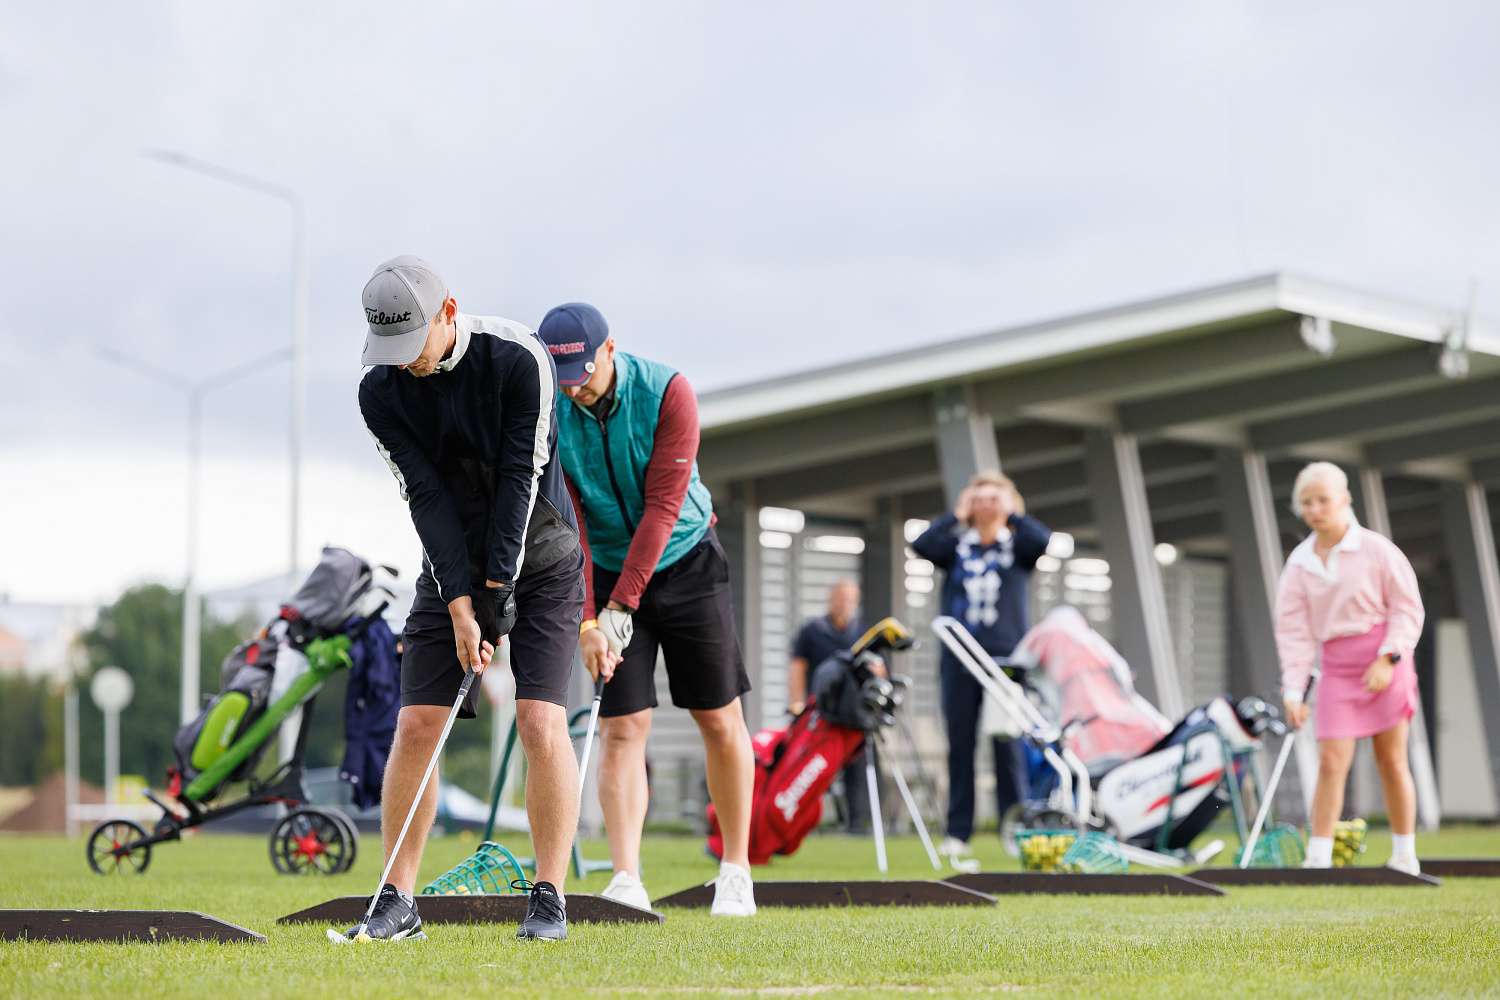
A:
(599, 688)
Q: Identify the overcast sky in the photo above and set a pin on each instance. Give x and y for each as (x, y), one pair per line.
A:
(743, 191)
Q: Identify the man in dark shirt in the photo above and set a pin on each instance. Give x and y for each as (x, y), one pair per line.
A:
(463, 409)
(817, 640)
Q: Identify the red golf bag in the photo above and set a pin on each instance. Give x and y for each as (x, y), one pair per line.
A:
(795, 766)
(793, 769)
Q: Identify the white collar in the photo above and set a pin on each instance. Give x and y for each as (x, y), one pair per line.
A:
(463, 327)
(1304, 556)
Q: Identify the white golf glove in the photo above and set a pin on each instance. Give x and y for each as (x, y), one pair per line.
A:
(617, 628)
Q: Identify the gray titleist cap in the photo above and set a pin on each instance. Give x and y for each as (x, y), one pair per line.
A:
(400, 300)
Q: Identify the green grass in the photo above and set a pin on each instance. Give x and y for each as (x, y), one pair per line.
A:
(1352, 943)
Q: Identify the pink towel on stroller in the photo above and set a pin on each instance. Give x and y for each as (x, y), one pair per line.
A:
(1095, 691)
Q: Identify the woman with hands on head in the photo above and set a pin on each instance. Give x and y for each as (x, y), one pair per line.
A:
(1349, 597)
(986, 548)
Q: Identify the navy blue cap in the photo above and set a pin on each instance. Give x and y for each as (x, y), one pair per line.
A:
(573, 333)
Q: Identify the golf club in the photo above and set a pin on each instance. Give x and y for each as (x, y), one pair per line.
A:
(1265, 805)
(463, 692)
(588, 738)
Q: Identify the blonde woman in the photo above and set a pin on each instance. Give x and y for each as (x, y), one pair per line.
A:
(986, 549)
(1349, 597)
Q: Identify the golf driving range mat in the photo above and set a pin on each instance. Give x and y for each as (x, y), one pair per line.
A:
(916, 893)
(1461, 867)
(1114, 884)
(497, 908)
(1311, 876)
(120, 925)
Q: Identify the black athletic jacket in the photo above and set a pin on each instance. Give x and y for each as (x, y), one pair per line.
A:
(474, 447)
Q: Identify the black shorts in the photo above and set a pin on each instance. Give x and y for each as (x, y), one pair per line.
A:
(544, 642)
(686, 612)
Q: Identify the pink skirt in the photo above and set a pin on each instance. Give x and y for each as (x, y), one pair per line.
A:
(1342, 708)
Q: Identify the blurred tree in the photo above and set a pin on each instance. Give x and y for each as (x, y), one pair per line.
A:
(30, 730)
(141, 633)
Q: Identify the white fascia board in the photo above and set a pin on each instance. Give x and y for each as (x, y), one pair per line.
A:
(985, 353)
(1310, 297)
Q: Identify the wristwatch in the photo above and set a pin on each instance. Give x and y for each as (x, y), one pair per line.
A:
(1395, 658)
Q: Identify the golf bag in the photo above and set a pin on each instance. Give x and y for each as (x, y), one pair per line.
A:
(244, 692)
(795, 766)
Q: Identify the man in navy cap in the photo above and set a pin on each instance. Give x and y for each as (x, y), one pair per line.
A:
(628, 436)
(463, 410)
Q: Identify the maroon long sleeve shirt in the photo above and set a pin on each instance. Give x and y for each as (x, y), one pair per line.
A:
(673, 452)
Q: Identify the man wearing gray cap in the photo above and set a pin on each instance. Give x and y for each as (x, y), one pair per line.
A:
(462, 409)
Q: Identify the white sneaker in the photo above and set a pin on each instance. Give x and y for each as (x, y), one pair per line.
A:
(1310, 863)
(1405, 863)
(959, 855)
(626, 888)
(734, 893)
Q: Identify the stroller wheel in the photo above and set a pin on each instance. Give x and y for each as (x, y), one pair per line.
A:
(310, 841)
(114, 848)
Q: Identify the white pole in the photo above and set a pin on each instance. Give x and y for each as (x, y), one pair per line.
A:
(70, 758)
(299, 376)
(112, 756)
(191, 610)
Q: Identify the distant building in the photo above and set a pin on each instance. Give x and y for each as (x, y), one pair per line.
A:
(43, 640)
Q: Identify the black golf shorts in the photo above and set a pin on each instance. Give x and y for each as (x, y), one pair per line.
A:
(543, 644)
(686, 612)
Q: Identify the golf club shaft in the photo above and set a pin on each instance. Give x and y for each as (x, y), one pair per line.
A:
(463, 692)
(1265, 806)
(588, 737)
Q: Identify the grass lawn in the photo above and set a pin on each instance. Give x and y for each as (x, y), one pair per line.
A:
(1353, 943)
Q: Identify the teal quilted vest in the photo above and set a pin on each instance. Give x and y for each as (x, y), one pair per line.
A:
(622, 446)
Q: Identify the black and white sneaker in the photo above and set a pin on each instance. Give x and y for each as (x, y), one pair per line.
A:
(546, 914)
(395, 919)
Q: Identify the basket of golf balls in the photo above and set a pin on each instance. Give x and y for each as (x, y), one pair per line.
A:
(1094, 853)
(1041, 850)
(1348, 841)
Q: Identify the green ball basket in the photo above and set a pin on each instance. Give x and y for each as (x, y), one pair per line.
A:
(490, 869)
(1278, 847)
(1094, 853)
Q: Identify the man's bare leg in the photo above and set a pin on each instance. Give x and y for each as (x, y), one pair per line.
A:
(551, 786)
(623, 794)
(418, 730)
(731, 775)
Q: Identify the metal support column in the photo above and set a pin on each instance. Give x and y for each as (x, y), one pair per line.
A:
(739, 533)
(883, 564)
(1138, 600)
(1255, 559)
(1476, 582)
(1377, 518)
(965, 439)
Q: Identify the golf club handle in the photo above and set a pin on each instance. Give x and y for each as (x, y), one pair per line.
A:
(599, 688)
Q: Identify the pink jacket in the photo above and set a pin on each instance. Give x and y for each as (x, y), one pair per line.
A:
(1367, 581)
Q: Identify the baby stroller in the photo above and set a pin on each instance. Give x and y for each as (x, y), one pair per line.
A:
(1112, 762)
(850, 706)
(264, 681)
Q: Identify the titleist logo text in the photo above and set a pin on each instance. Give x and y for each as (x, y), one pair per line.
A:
(377, 318)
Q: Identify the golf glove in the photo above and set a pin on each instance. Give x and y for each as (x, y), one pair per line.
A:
(617, 628)
(495, 610)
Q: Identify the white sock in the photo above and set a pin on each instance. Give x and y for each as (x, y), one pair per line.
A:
(1403, 843)
(1320, 850)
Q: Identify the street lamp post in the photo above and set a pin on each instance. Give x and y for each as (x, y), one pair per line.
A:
(191, 612)
(299, 315)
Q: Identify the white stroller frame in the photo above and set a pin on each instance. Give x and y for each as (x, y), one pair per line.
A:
(1012, 700)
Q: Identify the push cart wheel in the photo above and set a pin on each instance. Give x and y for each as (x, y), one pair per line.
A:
(309, 841)
(351, 834)
(1029, 816)
(115, 848)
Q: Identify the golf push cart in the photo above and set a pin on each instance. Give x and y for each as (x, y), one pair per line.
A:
(264, 681)
(1111, 767)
